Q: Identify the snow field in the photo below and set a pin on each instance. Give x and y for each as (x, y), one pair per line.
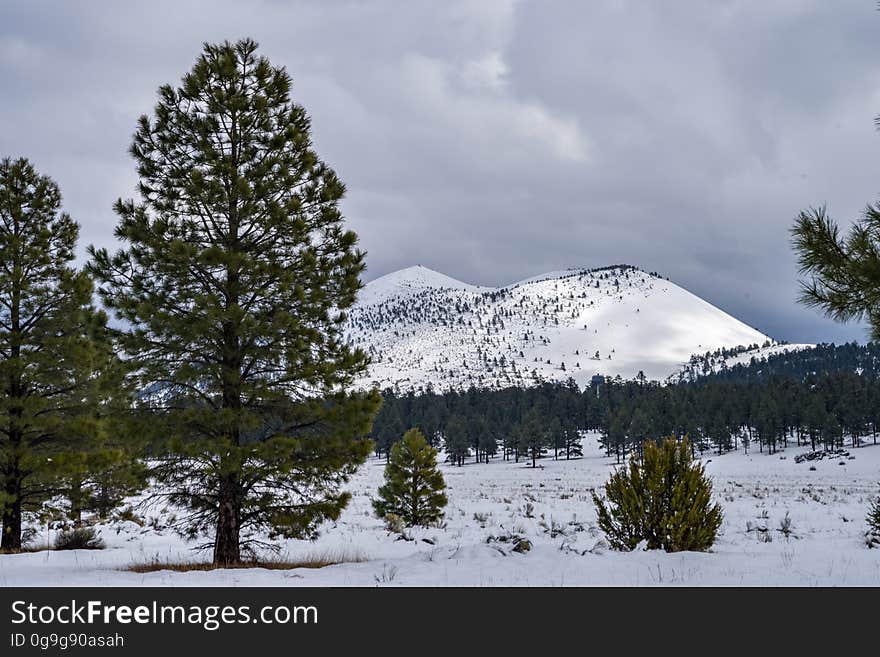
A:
(550, 506)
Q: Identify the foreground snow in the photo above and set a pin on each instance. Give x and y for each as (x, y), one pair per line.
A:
(551, 507)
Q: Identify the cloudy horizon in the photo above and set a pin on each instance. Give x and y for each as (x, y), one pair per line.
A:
(493, 141)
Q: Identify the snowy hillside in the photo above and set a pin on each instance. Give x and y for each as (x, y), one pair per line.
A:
(723, 359)
(422, 327)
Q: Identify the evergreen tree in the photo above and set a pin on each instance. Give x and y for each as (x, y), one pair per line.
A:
(457, 439)
(814, 418)
(535, 437)
(665, 500)
(832, 432)
(234, 283)
(572, 440)
(844, 272)
(873, 534)
(100, 477)
(59, 376)
(414, 487)
(487, 441)
(639, 427)
(388, 426)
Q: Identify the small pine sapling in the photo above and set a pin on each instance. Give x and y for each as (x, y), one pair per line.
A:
(414, 487)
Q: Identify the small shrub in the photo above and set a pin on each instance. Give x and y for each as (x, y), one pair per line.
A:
(28, 536)
(663, 500)
(389, 572)
(785, 526)
(394, 523)
(554, 528)
(81, 538)
(522, 546)
(127, 514)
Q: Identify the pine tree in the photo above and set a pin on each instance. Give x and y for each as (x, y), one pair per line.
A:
(487, 441)
(59, 377)
(664, 500)
(99, 478)
(639, 427)
(873, 519)
(457, 439)
(534, 436)
(235, 280)
(388, 425)
(414, 487)
(572, 440)
(844, 272)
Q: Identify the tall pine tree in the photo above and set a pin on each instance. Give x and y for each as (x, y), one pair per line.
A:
(59, 377)
(235, 281)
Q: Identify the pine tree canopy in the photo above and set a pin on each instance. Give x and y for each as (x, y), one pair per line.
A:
(414, 487)
(234, 280)
(844, 271)
(59, 376)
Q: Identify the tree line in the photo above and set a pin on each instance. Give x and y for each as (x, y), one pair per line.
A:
(825, 397)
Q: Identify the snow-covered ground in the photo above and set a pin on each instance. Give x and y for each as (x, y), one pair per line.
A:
(551, 507)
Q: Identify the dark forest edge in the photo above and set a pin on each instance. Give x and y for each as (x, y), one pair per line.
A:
(823, 397)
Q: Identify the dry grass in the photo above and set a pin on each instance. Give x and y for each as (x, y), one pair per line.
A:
(27, 549)
(317, 560)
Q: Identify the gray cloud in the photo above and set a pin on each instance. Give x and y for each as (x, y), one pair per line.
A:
(496, 140)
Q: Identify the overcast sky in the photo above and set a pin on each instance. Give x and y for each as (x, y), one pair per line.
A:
(496, 140)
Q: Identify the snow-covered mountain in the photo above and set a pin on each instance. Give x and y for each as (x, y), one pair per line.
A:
(422, 327)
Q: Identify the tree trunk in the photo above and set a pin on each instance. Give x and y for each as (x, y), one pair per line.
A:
(227, 549)
(76, 504)
(11, 540)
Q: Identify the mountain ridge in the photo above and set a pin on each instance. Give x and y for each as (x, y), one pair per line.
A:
(423, 328)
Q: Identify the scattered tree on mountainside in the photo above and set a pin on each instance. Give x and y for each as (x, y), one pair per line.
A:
(60, 381)
(234, 281)
(414, 486)
(663, 499)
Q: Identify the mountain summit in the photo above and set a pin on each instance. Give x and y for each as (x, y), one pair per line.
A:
(425, 328)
